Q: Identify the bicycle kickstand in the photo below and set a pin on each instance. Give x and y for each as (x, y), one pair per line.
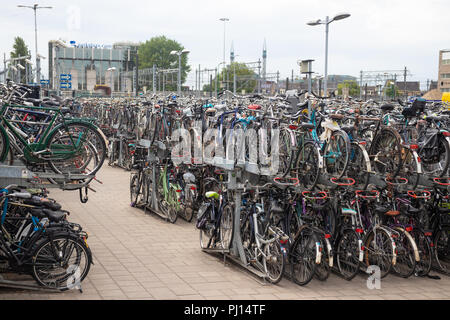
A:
(85, 198)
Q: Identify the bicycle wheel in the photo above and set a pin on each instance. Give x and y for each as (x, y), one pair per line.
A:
(226, 226)
(134, 189)
(207, 231)
(302, 257)
(285, 151)
(409, 169)
(379, 251)
(172, 213)
(337, 153)
(347, 254)
(274, 262)
(77, 148)
(386, 153)
(423, 267)
(406, 262)
(61, 263)
(357, 167)
(442, 250)
(323, 268)
(306, 168)
(5, 151)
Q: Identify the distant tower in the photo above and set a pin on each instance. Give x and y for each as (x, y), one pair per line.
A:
(264, 56)
(232, 53)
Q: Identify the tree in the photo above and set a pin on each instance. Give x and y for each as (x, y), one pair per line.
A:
(245, 78)
(352, 85)
(156, 51)
(392, 91)
(20, 50)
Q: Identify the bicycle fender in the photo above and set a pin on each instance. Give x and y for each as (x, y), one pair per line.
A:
(6, 149)
(416, 250)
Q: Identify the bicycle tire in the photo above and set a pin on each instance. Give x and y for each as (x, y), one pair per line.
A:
(340, 140)
(39, 254)
(303, 256)
(347, 254)
(406, 262)
(226, 227)
(381, 258)
(91, 133)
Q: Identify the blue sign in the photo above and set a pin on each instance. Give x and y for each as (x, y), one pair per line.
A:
(67, 77)
(45, 81)
(66, 85)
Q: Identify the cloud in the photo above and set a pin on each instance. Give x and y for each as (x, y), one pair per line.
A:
(379, 35)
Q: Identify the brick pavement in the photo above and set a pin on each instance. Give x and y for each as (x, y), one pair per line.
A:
(140, 256)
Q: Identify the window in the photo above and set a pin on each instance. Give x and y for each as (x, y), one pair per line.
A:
(445, 90)
(445, 75)
(446, 61)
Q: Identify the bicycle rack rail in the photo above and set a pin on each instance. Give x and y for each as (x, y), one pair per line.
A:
(26, 178)
(24, 285)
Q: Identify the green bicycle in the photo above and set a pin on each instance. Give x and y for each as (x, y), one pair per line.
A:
(168, 195)
(67, 146)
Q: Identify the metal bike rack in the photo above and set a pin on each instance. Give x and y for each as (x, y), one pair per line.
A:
(25, 178)
(24, 285)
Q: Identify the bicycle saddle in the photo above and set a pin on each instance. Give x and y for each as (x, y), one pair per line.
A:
(348, 128)
(55, 216)
(413, 210)
(275, 208)
(387, 107)
(381, 209)
(306, 126)
(212, 194)
(316, 206)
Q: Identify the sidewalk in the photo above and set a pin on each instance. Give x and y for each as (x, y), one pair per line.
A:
(140, 256)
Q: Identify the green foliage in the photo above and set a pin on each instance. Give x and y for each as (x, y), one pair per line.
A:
(245, 78)
(156, 51)
(352, 85)
(20, 49)
(392, 91)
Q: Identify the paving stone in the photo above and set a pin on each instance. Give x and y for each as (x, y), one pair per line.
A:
(138, 255)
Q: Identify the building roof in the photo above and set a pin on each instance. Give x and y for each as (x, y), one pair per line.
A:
(434, 94)
(410, 85)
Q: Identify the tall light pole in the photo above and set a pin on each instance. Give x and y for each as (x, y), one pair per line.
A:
(224, 25)
(112, 80)
(179, 53)
(38, 65)
(326, 23)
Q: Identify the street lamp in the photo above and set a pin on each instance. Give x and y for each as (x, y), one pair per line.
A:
(112, 82)
(224, 25)
(327, 21)
(35, 8)
(179, 54)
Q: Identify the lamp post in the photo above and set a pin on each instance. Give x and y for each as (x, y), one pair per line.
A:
(179, 53)
(112, 80)
(326, 23)
(35, 7)
(224, 28)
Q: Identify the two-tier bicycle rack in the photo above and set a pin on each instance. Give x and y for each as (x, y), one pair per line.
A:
(18, 174)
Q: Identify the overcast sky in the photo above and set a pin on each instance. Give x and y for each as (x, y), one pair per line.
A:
(379, 35)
